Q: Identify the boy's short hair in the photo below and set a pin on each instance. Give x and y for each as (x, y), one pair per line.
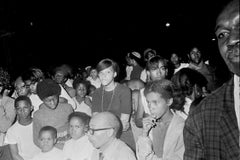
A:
(47, 88)
(50, 129)
(22, 98)
(80, 115)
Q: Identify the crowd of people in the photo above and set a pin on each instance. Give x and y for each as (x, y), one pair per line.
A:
(163, 108)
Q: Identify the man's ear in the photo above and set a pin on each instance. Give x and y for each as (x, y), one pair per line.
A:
(115, 74)
(110, 132)
(169, 102)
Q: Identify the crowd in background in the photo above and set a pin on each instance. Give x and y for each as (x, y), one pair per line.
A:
(146, 111)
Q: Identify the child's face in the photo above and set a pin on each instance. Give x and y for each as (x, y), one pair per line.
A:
(51, 101)
(76, 128)
(23, 109)
(81, 90)
(157, 105)
(107, 76)
(46, 141)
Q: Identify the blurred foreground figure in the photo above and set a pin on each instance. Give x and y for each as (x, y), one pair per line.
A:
(212, 130)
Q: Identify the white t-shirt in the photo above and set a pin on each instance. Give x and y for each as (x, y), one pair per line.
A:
(80, 149)
(23, 137)
(83, 107)
(54, 154)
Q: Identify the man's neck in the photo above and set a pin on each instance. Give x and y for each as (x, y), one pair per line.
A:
(25, 122)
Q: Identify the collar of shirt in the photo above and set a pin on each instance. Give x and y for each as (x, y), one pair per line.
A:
(237, 98)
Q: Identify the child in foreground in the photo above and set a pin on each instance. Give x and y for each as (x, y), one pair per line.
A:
(47, 139)
(78, 147)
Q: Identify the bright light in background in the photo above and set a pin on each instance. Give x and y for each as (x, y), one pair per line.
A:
(167, 24)
(213, 39)
(31, 23)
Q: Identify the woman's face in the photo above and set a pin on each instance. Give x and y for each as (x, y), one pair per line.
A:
(107, 76)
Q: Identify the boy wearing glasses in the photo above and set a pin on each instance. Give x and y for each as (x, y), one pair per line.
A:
(103, 128)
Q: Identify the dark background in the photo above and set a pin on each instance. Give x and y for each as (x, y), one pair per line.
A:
(48, 33)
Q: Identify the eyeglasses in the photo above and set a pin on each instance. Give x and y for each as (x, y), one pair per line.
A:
(91, 131)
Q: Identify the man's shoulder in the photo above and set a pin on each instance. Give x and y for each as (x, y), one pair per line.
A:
(213, 102)
(122, 88)
(123, 149)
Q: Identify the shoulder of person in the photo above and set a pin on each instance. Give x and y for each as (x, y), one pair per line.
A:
(122, 87)
(213, 102)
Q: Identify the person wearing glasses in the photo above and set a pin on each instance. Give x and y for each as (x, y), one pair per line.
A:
(103, 129)
(21, 89)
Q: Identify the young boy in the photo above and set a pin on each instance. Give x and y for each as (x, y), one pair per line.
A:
(51, 112)
(78, 147)
(47, 139)
(20, 135)
(162, 136)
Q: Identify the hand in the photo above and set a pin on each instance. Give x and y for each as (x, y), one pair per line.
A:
(148, 123)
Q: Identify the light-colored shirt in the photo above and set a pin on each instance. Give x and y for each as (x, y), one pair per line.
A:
(65, 94)
(80, 149)
(36, 102)
(82, 107)
(237, 100)
(129, 70)
(117, 150)
(54, 154)
(23, 137)
(186, 107)
(97, 82)
(7, 116)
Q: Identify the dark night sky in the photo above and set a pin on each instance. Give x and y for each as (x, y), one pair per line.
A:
(49, 33)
